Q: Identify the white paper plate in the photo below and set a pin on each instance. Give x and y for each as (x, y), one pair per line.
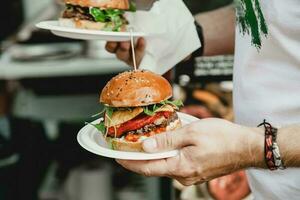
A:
(92, 140)
(85, 34)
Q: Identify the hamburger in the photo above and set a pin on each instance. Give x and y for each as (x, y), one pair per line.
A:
(137, 106)
(106, 15)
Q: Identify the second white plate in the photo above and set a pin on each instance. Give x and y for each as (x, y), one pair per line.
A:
(93, 141)
(85, 34)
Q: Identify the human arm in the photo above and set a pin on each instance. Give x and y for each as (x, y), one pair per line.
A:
(213, 23)
(212, 148)
(288, 141)
(218, 30)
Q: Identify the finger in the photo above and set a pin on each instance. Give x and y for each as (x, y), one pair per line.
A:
(214, 183)
(125, 46)
(146, 168)
(111, 47)
(141, 45)
(140, 49)
(123, 54)
(189, 181)
(167, 141)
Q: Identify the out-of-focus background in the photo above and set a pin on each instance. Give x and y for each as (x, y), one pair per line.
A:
(49, 87)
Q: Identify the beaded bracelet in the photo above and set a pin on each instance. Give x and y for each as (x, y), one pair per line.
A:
(272, 154)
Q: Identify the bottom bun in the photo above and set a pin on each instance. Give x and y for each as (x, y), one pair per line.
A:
(84, 24)
(122, 145)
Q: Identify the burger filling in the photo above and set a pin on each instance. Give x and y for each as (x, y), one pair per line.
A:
(143, 125)
(133, 124)
(113, 18)
(158, 126)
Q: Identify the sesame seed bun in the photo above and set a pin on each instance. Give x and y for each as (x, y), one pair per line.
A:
(136, 88)
(116, 4)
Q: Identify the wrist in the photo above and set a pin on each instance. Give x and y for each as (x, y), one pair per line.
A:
(288, 143)
(285, 143)
(256, 148)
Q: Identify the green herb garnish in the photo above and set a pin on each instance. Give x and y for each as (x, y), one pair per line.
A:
(132, 7)
(112, 17)
(109, 111)
(152, 109)
(100, 127)
(149, 111)
(98, 14)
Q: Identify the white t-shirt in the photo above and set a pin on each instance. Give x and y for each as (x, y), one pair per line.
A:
(267, 86)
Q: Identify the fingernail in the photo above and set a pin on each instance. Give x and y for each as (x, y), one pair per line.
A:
(150, 145)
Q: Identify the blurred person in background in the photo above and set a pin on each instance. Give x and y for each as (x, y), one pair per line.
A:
(265, 85)
(10, 21)
(23, 153)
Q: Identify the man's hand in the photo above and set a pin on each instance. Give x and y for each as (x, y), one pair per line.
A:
(123, 51)
(208, 148)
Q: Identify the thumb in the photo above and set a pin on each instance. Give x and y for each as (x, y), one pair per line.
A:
(166, 141)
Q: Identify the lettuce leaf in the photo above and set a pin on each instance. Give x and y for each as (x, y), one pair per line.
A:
(98, 14)
(149, 111)
(112, 17)
(132, 7)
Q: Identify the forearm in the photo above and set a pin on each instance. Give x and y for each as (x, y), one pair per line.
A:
(218, 30)
(288, 141)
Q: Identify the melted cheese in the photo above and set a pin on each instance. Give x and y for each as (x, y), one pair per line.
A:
(166, 108)
(121, 116)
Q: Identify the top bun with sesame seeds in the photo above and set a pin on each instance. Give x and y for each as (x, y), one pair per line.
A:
(135, 88)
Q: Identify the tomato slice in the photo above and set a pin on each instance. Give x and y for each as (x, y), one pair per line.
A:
(136, 123)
